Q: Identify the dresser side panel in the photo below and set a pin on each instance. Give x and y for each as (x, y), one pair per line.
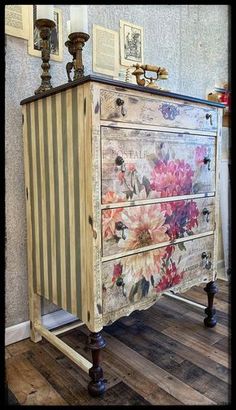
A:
(54, 167)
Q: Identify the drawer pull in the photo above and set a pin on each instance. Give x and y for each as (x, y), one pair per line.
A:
(206, 213)
(120, 103)
(206, 257)
(207, 160)
(120, 162)
(120, 226)
(209, 116)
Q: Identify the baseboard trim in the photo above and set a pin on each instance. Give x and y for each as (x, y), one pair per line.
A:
(21, 331)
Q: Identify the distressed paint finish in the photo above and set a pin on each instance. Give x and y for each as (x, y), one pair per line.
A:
(157, 111)
(125, 229)
(140, 164)
(53, 167)
(141, 276)
(76, 183)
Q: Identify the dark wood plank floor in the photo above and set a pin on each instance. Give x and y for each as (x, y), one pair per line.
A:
(161, 356)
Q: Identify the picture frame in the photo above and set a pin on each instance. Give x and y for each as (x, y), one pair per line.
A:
(105, 51)
(56, 37)
(131, 43)
(17, 20)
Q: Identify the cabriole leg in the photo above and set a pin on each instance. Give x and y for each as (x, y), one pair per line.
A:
(96, 386)
(210, 320)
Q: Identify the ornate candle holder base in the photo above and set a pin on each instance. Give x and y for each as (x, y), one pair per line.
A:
(45, 27)
(75, 45)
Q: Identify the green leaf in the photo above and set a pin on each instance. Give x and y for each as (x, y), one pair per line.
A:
(133, 291)
(181, 246)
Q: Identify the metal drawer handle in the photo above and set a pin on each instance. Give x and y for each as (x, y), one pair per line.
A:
(206, 257)
(207, 160)
(209, 116)
(120, 162)
(120, 103)
(120, 226)
(206, 212)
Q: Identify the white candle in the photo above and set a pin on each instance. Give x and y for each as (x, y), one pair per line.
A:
(79, 19)
(68, 27)
(45, 11)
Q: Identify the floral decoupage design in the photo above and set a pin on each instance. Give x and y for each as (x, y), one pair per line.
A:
(146, 274)
(145, 165)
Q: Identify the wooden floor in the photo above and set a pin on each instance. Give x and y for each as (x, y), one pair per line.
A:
(161, 356)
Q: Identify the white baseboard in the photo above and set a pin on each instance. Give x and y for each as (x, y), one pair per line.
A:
(21, 331)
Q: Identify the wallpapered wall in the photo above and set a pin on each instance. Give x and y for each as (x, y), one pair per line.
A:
(191, 41)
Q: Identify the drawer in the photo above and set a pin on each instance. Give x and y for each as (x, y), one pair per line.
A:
(126, 229)
(139, 164)
(146, 274)
(156, 110)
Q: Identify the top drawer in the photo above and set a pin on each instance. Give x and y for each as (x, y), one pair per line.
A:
(118, 106)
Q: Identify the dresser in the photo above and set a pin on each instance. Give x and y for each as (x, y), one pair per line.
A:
(122, 201)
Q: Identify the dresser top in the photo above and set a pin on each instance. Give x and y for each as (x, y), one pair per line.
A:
(115, 83)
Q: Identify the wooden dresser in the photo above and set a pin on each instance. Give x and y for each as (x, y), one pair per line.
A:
(122, 194)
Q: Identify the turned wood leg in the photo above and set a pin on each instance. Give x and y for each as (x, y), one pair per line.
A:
(96, 386)
(210, 320)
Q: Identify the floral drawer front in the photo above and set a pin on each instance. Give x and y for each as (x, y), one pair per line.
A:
(138, 164)
(146, 274)
(125, 229)
(157, 111)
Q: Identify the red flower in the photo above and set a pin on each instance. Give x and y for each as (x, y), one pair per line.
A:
(117, 271)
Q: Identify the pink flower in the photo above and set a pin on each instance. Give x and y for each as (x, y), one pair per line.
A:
(109, 219)
(144, 264)
(111, 197)
(146, 226)
(170, 278)
(172, 178)
(117, 271)
(200, 153)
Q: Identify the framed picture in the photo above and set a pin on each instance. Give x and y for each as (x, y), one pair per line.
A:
(17, 20)
(131, 43)
(56, 36)
(105, 51)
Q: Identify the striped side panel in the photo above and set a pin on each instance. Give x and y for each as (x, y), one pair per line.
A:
(53, 152)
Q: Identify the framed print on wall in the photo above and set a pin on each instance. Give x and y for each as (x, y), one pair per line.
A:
(131, 43)
(17, 20)
(56, 36)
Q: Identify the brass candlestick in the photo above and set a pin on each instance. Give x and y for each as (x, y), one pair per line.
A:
(75, 45)
(45, 27)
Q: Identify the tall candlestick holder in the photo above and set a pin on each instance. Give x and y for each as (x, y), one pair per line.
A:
(45, 27)
(75, 45)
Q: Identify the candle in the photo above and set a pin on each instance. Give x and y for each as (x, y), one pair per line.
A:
(79, 19)
(68, 27)
(45, 11)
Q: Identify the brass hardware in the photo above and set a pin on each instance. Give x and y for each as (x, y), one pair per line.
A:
(207, 160)
(206, 212)
(141, 70)
(209, 116)
(75, 45)
(45, 27)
